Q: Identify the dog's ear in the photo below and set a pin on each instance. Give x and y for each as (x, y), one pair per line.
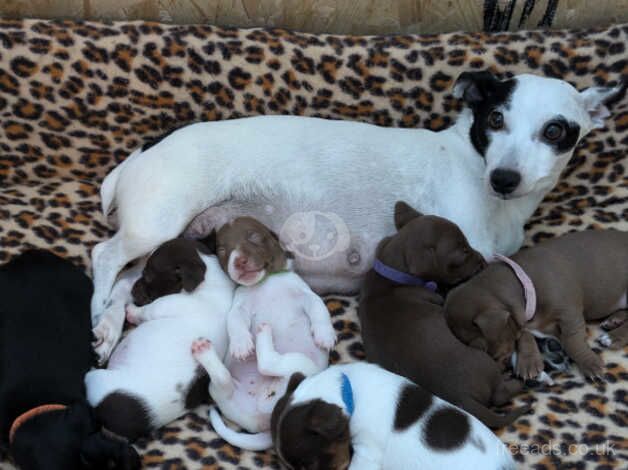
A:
(596, 98)
(327, 420)
(404, 214)
(192, 273)
(491, 322)
(99, 451)
(295, 380)
(474, 87)
(210, 241)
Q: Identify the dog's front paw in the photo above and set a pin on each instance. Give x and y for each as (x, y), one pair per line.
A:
(133, 314)
(529, 366)
(612, 340)
(200, 346)
(242, 347)
(592, 367)
(105, 339)
(324, 335)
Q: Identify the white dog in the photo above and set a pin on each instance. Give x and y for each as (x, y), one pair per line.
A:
(292, 328)
(388, 421)
(487, 173)
(152, 377)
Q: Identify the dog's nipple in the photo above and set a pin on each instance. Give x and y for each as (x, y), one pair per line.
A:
(353, 257)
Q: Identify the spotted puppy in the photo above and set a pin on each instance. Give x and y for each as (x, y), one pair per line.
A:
(274, 312)
(152, 378)
(388, 421)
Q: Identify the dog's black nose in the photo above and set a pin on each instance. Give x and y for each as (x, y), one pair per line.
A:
(505, 181)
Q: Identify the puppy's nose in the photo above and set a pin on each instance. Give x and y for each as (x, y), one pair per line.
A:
(505, 181)
(241, 262)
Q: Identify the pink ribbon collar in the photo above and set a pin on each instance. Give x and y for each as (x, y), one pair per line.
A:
(529, 292)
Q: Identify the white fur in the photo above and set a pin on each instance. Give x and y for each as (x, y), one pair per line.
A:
(376, 445)
(273, 167)
(293, 333)
(154, 362)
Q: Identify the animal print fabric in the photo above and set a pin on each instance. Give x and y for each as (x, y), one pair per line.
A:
(77, 98)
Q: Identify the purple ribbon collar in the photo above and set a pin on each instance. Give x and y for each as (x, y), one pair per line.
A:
(402, 278)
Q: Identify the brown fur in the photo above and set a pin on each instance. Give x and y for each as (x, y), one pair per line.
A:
(577, 277)
(404, 329)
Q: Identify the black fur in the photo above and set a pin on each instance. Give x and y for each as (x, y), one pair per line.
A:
(572, 132)
(45, 351)
(482, 92)
(124, 414)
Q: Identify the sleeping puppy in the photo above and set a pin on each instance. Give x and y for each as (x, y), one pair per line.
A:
(45, 351)
(402, 319)
(573, 278)
(152, 378)
(388, 421)
(291, 324)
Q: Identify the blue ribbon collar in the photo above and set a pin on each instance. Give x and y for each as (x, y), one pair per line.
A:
(402, 278)
(346, 391)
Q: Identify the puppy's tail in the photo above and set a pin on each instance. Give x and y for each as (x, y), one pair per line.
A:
(109, 184)
(491, 418)
(259, 441)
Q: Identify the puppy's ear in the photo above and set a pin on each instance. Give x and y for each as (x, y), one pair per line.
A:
(474, 87)
(404, 214)
(491, 322)
(192, 274)
(210, 241)
(596, 98)
(295, 380)
(327, 420)
(99, 451)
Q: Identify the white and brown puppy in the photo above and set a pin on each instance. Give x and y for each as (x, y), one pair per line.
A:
(388, 422)
(274, 312)
(151, 377)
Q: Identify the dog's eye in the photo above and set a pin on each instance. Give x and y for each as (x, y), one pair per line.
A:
(554, 131)
(496, 120)
(255, 237)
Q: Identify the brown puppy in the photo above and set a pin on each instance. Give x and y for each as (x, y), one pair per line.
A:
(173, 266)
(577, 277)
(404, 328)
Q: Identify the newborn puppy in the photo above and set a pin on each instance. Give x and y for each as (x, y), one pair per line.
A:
(577, 277)
(45, 351)
(273, 309)
(403, 323)
(390, 423)
(152, 378)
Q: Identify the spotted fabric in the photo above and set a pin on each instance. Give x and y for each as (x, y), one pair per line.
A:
(77, 98)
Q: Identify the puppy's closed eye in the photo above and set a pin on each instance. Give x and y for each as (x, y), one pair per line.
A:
(255, 237)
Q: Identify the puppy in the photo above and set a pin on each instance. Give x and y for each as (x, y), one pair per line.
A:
(292, 327)
(283, 169)
(390, 423)
(403, 323)
(577, 277)
(45, 421)
(152, 378)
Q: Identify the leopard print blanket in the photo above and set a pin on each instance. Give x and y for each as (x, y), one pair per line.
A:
(77, 98)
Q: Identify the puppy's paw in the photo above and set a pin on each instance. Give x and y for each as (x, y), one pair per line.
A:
(615, 320)
(242, 347)
(105, 339)
(133, 313)
(592, 367)
(529, 366)
(200, 346)
(324, 335)
(605, 340)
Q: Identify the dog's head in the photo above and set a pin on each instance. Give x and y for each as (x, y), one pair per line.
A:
(527, 127)
(174, 266)
(434, 248)
(69, 439)
(313, 435)
(248, 251)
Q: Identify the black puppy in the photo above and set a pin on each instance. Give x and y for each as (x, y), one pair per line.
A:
(45, 352)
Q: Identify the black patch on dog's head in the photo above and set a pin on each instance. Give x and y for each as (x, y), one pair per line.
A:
(125, 415)
(447, 429)
(196, 393)
(483, 93)
(570, 136)
(413, 403)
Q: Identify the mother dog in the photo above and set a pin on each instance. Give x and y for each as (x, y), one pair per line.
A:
(487, 173)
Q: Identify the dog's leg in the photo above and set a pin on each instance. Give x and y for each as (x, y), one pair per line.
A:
(573, 337)
(505, 390)
(615, 339)
(322, 328)
(615, 320)
(239, 329)
(271, 363)
(163, 307)
(529, 359)
(221, 386)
